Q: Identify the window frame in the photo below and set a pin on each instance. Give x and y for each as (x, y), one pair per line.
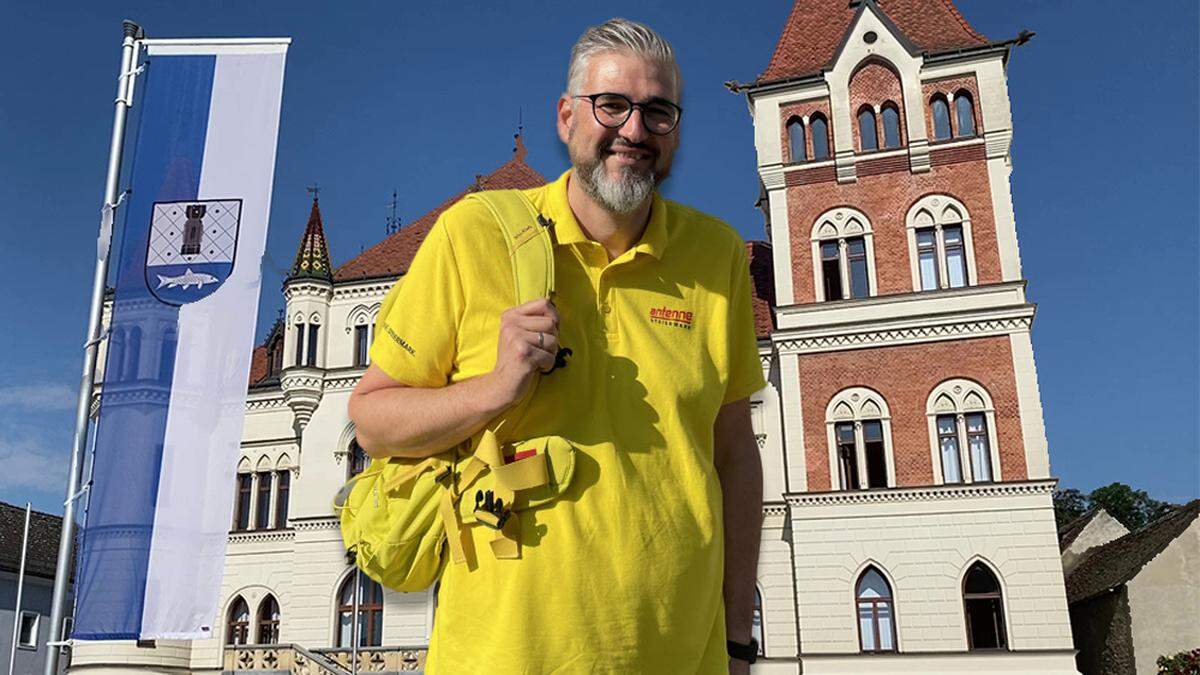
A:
(954, 397)
(937, 212)
(340, 608)
(855, 405)
(842, 224)
(273, 623)
(867, 114)
(242, 626)
(812, 137)
(956, 117)
(313, 341)
(362, 345)
(933, 102)
(798, 123)
(34, 632)
(264, 487)
(892, 106)
(300, 331)
(998, 596)
(243, 485)
(283, 489)
(889, 600)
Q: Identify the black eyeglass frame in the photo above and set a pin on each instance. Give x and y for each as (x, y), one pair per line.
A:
(632, 106)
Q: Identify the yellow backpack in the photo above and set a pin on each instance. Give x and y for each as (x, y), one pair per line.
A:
(400, 514)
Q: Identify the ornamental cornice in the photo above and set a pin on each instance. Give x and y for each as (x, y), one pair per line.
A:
(772, 176)
(256, 405)
(342, 383)
(309, 524)
(774, 508)
(252, 536)
(377, 288)
(117, 396)
(307, 288)
(905, 335)
(928, 493)
(997, 142)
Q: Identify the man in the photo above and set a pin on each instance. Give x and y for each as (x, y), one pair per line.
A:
(647, 563)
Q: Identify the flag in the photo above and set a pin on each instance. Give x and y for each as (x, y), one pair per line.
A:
(181, 331)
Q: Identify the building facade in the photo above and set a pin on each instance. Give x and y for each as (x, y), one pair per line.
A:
(908, 523)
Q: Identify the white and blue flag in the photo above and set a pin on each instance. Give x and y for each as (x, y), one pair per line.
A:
(152, 548)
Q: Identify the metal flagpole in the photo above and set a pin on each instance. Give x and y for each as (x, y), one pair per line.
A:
(125, 81)
(355, 635)
(12, 656)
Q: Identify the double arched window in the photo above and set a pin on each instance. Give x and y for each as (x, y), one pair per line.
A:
(370, 611)
(868, 127)
(843, 254)
(876, 612)
(266, 628)
(962, 125)
(800, 129)
(962, 431)
(941, 251)
(859, 432)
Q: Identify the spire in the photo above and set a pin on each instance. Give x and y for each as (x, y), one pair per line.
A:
(312, 260)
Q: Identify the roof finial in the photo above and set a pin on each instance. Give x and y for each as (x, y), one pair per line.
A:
(314, 190)
(393, 221)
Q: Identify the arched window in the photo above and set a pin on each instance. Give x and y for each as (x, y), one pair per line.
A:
(370, 611)
(241, 510)
(983, 605)
(114, 361)
(358, 459)
(238, 620)
(964, 114)
(876, 612)
(962, 431)
(166, 355)
(891, 125)
(843, 255)
(859, 431)
(268, 621)
(867, 137)
(820, 136)
(133, 353)
(756, 625)
(940, 246)
(941, 118)
(797, 145)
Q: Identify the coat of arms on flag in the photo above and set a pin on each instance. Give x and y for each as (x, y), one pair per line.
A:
(191, 248)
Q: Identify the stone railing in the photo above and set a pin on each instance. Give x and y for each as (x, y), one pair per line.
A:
(294, 659)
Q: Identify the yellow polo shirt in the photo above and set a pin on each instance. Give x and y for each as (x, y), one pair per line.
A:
(623, 573)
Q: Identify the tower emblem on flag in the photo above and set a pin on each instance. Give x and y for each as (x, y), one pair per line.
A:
(191, 248)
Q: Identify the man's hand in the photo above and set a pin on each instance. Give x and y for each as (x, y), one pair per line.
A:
(520, 351)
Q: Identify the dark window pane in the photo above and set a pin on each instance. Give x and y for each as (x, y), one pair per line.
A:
(832, 272)
(360, 345)
(891, 127)
(874, 452)
(948, 448)
(965, 114)
(866, 130)
(847, 457)
(241, 519)
(133, 354)
(941, 119)
(980, 580)
(299, 344)
(358, 459)
(283, 480)
(313, 331)
(856, 251)
(820, 138)
(262, 516)
(796, 144)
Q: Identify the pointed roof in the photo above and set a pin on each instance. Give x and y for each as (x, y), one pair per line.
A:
(392, 256)
(312, 259)
(815, 30)
(1120, 560)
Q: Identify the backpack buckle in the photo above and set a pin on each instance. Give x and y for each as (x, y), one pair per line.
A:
(446, 477)
(490, 510)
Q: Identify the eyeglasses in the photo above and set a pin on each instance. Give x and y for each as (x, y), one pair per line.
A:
(659, 116)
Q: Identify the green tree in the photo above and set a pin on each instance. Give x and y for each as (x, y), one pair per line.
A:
(1069, 504)
(1133, 508)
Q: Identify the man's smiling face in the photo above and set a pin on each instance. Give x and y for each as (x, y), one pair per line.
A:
(619, 167)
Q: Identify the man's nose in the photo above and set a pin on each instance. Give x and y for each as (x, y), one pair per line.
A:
(634, 129)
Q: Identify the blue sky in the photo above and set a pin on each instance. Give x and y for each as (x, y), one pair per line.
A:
(420, 98)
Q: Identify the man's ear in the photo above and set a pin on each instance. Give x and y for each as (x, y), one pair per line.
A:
(563, 117)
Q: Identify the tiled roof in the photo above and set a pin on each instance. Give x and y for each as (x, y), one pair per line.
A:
(815, 29)
(1120, 560)
(44, 531)
(258, 363)
(762, 279)
(392, 256)
(312, 258)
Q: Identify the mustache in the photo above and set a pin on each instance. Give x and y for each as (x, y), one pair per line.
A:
(622, 144)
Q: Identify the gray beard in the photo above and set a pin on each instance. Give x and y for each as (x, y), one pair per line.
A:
(622, 195)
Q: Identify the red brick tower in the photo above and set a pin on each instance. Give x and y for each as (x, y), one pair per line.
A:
(916, 488)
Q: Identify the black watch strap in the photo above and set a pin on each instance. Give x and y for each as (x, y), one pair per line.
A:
(745, 652)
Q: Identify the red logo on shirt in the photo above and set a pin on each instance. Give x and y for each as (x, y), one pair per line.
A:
(671, 317)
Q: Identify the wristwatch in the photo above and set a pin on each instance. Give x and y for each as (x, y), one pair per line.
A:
(744, 652)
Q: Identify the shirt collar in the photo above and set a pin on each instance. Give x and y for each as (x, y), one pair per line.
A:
(567, 230)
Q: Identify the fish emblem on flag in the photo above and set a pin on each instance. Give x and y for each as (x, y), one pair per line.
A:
(191, 248)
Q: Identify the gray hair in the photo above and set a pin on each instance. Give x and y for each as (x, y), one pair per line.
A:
(620, 35)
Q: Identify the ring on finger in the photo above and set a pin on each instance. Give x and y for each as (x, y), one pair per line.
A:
(541, 340)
